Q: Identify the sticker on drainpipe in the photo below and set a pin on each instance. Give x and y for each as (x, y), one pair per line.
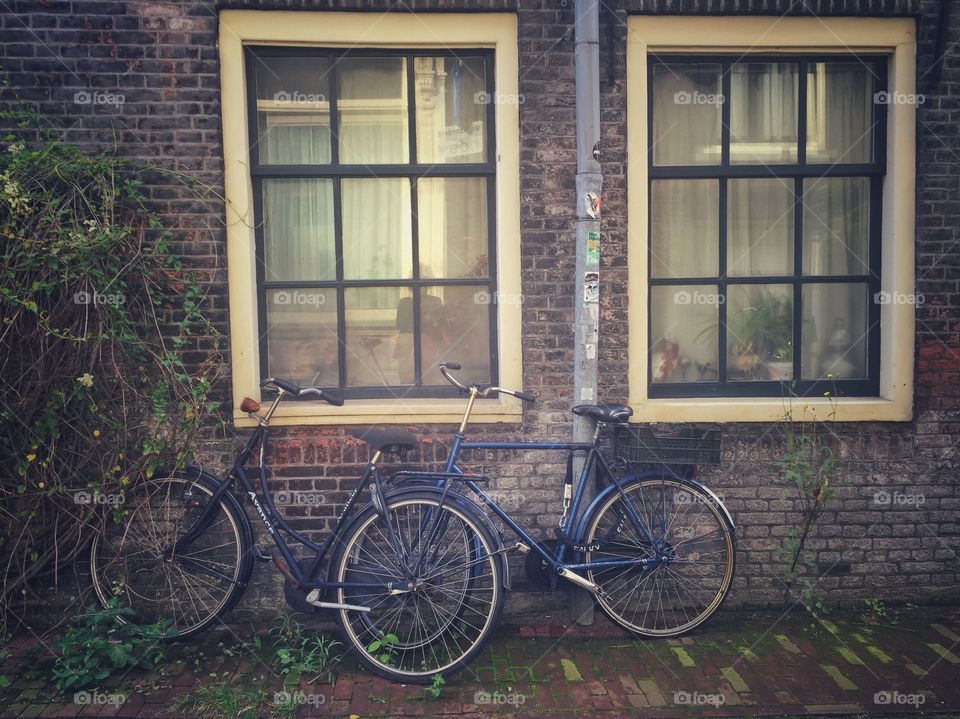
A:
(591, 287)
(591, 203)
(593, 250)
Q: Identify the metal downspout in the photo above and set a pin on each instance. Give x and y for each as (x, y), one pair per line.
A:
(589, 192)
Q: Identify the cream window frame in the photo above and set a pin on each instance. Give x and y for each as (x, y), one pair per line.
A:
(497, 31)
(895, 37)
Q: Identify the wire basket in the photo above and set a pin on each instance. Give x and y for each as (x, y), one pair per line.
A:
(637, 444)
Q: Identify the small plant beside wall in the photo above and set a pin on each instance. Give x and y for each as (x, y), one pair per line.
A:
(97, 645)
(807, 467)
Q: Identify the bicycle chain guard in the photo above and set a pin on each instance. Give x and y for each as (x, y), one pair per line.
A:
(297, 598)
(538, 571)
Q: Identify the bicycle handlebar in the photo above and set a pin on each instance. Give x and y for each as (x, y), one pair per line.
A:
(290, 388)
(481, 390)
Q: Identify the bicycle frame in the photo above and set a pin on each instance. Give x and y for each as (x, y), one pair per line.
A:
(275, 524)
(594, 460)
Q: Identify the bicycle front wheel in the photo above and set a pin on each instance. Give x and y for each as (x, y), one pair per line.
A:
(689, 546)
(136, 562)
(445, 590)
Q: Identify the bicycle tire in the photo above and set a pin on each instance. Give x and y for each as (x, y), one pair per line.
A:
(694, 539)
(440, 626)
(192, 589)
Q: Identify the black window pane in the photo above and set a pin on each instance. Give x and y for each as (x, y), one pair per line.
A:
(377, 240)
(293, 110)
(763, 113)
(687, 104)
(379, 341)
(301, 325)
(453, 232)
(452, 99)
(298, 232)
(835, 331)
(455, 325)
(372, 110)
(684, 320)
(836, 226)
(760, 332)
(684, 228)
(760, 227)
(840, 110)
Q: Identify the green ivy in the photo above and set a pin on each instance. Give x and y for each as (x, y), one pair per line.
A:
(107, 356)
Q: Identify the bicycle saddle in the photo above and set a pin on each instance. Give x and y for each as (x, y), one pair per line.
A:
(391, 441)
(607, 413)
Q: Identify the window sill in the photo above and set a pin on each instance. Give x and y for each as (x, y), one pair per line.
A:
(376, 411)
(754, 409)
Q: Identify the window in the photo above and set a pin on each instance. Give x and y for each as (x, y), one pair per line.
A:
(373, 178)
(372, 186)
(770, 215)
(765, 187)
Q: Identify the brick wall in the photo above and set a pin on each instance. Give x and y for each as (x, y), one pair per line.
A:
(161, 56)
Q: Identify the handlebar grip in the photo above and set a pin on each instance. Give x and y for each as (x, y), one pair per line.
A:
(335, 399)
(525, 396)
(452, 365)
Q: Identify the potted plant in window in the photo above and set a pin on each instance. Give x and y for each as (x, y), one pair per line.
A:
(761, 339)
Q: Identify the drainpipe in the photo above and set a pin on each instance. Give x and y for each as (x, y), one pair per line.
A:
(587, 280)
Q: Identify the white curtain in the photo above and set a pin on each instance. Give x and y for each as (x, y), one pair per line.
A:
(760, 211)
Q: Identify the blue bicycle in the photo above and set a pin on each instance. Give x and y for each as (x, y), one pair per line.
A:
(655, 547)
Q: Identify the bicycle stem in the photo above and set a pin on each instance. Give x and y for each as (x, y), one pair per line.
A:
(466, 413)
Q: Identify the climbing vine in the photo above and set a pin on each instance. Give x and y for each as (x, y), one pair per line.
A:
(107, 360)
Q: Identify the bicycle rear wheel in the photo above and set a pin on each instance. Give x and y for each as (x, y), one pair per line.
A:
(689, 541)
(439, 625)
(134, 560)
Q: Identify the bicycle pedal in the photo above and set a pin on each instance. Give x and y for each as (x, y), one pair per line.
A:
(261, 554)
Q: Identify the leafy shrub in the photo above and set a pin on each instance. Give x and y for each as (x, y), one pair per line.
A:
(98, 645)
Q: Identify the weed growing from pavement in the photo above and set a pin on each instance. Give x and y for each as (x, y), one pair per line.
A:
(807, 466)
(222, 701)
(300, 651)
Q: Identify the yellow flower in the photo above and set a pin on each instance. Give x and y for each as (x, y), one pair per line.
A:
(85, 379)
(829, 375)
(826, 394)
(96, 433)
(124, 481)
(41, 485)
(31, 457)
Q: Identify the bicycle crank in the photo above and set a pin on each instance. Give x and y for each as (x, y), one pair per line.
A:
(314, 598)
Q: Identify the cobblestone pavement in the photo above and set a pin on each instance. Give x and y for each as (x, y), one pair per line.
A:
(742, 664)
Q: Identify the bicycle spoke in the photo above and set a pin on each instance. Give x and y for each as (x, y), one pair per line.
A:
(448, 612)
(190, 587)
(692, 556)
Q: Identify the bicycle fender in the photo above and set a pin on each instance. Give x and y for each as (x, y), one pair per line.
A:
(584, 518)
(465, 504)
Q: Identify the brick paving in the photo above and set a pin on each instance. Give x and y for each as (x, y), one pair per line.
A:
(742, 664)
